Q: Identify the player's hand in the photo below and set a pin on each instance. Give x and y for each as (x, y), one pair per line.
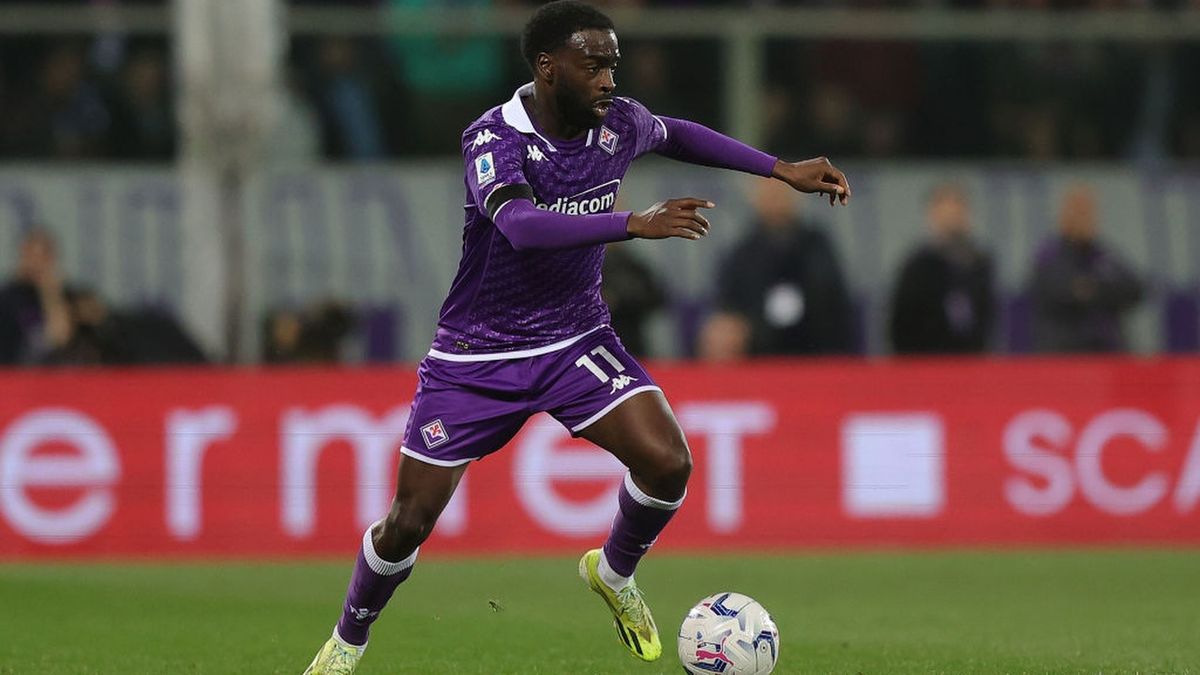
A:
(672, 218)
(815, 176)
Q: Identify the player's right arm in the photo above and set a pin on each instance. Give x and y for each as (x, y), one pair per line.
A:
(672, 218)
(496, 178)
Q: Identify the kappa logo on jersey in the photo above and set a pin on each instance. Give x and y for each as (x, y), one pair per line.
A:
(485, 169)
(361, 613)
(535, 153)
(608, 140)
(434, 434)
(620, 382)
(483, 138)
(599, 199)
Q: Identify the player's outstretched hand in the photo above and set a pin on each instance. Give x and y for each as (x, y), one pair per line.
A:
(815, 176)
(672, 218)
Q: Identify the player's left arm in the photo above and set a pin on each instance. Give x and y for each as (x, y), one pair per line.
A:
(697, 144)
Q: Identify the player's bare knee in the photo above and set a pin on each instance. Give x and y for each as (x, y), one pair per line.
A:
(669, 471)
(679, 468)
(404, 529)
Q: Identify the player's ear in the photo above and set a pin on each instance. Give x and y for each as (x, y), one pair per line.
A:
(545, 67)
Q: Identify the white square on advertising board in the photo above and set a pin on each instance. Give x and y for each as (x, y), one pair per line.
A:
(893, 465)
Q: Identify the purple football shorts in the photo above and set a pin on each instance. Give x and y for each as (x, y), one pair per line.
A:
(466, 409)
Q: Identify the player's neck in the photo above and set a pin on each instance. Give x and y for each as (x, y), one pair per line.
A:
(543, 111)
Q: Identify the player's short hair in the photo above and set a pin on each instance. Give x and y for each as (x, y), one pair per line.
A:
(554, 23)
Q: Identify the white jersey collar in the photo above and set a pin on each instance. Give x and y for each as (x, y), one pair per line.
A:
(515, 115)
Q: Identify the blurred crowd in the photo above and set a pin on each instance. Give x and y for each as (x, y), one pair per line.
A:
(347, 98)
(781, 288)
(46, 320)
(793, 298)
(82, 99)
(780, 291)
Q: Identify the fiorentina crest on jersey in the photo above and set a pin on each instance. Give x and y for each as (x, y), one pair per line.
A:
(608, 140)
(434, 434)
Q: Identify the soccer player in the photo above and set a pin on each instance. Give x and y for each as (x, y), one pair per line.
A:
(524, 329)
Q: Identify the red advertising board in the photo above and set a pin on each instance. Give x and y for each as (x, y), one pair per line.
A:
(788, 454)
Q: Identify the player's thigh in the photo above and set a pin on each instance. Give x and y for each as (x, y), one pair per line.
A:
(605, 395)
(464, 411)
(643, 433)
(423, 490)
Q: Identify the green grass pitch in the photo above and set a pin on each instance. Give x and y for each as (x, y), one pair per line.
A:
(888, 613)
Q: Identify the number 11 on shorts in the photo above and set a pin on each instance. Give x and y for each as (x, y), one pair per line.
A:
(601, 351)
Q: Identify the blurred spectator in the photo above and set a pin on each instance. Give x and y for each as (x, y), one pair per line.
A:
(452, 80)
(281, 337)
(1074, 100)
(844, 98)
(951, 115)
(34, 315)
(315, 334)
(143, 121)
(725, 337)
(6, 105)
(633, 294)
(672, 76)
(149, 335)
(66, 117)
(93, 339)
(101, 336)
(44, 322)
(347, 102)
(784, 278)
(943, 301)
(1185, 114)
(649, 78)
(834, 122)
(841, 98)
(1080, 289)
(881, 78)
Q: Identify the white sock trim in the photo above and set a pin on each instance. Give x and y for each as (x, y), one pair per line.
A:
(342, 641)
(379, 565)
(646, 500)
(609, 576)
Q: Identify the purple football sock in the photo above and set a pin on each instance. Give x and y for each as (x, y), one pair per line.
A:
(371, 586)
(638, 523)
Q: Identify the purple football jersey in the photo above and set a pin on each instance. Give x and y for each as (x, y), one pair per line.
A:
(503, 299)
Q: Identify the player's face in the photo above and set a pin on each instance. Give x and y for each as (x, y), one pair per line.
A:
(586, 69)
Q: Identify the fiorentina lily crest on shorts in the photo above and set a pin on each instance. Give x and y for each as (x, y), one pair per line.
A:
(434, 434)
(608, 140)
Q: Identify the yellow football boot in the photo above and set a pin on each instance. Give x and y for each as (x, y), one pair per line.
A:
(335, 658)
(631, 616)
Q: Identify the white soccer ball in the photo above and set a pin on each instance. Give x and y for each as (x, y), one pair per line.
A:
(728, 633)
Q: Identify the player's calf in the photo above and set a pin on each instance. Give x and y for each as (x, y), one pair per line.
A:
(640, 519)
(387, 555)
(374, 580)
(405, 527)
